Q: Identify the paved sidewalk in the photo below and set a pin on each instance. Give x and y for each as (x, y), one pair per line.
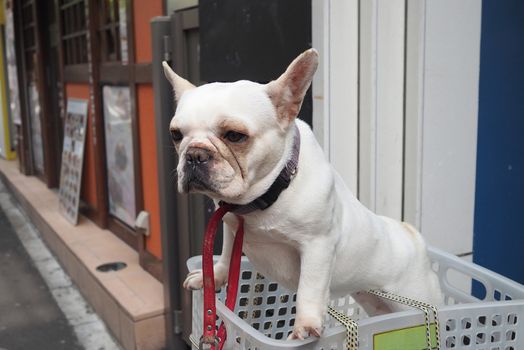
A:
(39, 306)
(29, 315)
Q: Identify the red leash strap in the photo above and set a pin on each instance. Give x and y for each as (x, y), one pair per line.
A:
(209, 335)
(232, 281)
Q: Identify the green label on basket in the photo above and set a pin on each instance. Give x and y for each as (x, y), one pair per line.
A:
(413, 338)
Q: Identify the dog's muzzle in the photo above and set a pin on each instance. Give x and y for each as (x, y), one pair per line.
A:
(196, 170)
(197, 156)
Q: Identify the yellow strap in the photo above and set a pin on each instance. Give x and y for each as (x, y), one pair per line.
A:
(352, 327)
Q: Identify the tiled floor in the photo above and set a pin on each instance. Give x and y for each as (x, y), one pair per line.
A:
(130, 300)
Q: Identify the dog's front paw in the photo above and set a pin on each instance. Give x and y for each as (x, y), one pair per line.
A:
(306, 326)
(195, 279)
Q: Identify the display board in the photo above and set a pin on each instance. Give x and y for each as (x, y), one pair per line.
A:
(119, 153)
(72, 159)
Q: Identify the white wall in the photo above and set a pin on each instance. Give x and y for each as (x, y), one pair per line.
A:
(395, 108)
(381, 117)
(335, 85)
(445, 104)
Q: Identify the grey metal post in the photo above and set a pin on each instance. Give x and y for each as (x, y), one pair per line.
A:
(163, 98)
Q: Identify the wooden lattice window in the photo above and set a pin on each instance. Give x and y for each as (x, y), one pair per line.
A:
(29, 33)
(74, 31)
(109, 30)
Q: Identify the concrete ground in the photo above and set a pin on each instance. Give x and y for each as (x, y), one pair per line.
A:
(40, 308)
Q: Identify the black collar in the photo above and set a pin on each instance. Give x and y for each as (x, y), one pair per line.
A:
(280, 184)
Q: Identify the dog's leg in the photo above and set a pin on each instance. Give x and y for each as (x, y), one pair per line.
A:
(372, 304)
(316, 262)
(194, 279)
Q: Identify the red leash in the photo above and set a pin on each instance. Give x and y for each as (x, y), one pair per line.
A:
(210, 336)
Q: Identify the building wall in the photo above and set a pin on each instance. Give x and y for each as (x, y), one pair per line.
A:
(395, 108)
(498, 239)
(448, 124)
(144, 11)
(149, 165)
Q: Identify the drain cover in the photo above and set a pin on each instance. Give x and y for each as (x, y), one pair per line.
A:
(112, 266)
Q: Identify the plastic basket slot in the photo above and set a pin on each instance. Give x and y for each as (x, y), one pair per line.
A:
(246, 275)
(465, 340)
(511, 334)
(496, 320)
(480, 338)
(466, 323)
(481, 321)
(451, 342)
(495, 337)
(512, 319)
(451, 325)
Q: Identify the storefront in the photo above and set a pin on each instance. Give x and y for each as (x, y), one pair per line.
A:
(98, 52)
(394, 104)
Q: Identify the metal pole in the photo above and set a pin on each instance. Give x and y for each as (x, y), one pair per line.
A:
(163, 98)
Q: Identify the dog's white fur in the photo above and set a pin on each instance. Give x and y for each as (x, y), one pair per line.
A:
(317, 238)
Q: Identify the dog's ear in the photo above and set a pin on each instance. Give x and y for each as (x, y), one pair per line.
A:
(180, 85)
(287, 92)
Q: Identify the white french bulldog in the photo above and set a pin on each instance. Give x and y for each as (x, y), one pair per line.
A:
(233, 141)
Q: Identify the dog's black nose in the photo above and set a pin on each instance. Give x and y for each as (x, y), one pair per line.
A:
(197, 156)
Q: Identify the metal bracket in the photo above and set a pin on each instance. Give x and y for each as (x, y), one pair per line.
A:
(177, 321)
(142, 223)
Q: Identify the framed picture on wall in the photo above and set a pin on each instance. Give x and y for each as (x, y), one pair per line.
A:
(119, 153)
(35, 112)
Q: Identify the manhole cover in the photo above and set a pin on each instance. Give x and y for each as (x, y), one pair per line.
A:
(113, 266)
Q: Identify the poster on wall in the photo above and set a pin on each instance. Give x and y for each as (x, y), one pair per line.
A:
(122, 24)
(37, 144)
(119, 153)
(72, 159)
(10, 55)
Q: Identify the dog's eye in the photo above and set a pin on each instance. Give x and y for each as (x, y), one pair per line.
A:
(176, 135)
(235, 137)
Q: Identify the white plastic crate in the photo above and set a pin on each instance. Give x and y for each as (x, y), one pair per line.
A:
(265, 313)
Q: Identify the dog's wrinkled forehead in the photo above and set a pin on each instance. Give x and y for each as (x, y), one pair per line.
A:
(208, 105)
